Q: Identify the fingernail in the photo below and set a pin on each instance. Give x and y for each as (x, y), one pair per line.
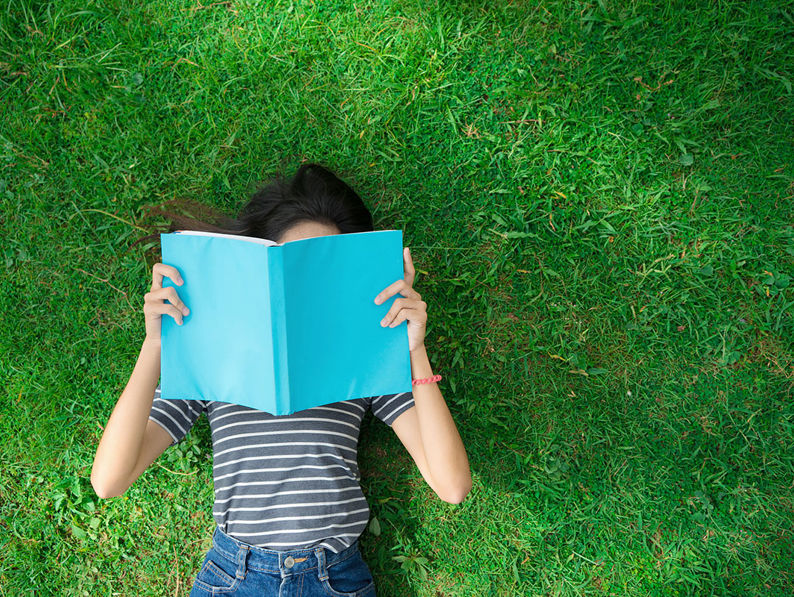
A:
(383, 322)
(185, 310)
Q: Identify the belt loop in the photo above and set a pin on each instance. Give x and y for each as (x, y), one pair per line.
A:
(242, 554)
(322, 572)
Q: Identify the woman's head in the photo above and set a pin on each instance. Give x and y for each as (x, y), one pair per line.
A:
(315, 198)
(314, 202)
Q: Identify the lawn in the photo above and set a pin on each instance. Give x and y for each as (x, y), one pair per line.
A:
(598, 199)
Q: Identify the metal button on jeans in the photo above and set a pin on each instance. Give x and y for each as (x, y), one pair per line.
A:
(289, 562)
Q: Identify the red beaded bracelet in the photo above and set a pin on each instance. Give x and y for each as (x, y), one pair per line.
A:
(433, 379)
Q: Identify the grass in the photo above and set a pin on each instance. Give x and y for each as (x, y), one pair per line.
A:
(597, 195)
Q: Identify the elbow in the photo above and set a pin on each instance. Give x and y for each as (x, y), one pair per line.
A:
(457, 494)
(105, 494)
(102, 490)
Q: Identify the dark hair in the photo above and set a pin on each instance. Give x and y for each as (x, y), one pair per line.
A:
(313, 194)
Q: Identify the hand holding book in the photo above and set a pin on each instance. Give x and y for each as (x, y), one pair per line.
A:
(154, 301)
(412, 309)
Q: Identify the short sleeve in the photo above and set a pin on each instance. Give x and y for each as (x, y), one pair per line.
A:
(387, 408)
(175, 416)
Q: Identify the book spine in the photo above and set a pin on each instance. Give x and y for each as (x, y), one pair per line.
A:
(278, 310)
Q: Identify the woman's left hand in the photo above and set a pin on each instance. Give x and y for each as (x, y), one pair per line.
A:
(411, 308)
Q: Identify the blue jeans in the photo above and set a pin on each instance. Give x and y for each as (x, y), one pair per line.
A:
(232, 567)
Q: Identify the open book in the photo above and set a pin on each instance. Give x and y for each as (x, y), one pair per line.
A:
(282, 328)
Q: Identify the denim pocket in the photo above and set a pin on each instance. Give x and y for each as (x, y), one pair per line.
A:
(349, 578)
(217, 575)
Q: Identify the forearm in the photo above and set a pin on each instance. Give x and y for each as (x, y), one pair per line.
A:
(443, 448)
(120, 446)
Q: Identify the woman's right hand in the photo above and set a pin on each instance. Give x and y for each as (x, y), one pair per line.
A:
(155, 304)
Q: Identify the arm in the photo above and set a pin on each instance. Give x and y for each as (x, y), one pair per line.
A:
(429, 434)
(426, 430)
(131, 442)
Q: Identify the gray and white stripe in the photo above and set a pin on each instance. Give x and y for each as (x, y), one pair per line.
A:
(287, 482)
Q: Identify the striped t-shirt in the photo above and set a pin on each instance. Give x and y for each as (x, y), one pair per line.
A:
(288, 482)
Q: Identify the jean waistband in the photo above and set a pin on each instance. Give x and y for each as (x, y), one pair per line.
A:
(251, 557)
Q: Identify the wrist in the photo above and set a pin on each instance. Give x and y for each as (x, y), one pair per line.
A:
(151, 344)
(420, 363)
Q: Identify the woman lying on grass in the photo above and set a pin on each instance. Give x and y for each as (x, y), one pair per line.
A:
(289, 508)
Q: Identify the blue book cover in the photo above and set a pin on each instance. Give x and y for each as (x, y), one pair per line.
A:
(282, 328)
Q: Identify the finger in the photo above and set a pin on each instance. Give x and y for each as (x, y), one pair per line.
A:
(161, 269)
(410, 272)
(401, 304)
(167, 309)
(400, 285)
(173, 297)
(175, 313)
(167, 294)
(415, 316)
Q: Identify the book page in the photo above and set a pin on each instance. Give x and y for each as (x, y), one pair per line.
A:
(253, 239)
(224, 350)
(336, 349)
